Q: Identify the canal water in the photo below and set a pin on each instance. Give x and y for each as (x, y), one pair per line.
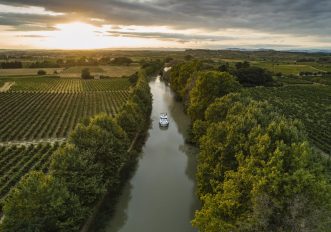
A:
(160, 197)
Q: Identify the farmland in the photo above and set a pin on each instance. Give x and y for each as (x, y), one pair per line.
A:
(287, 69)
(290, 68)
(16, 161)
(38, 112)
(26, 72)
(309, 103)
(27, 116)
(72, 72)
(55, 84)
(110, 71)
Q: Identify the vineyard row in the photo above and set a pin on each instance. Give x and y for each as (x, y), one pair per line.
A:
(29, 116)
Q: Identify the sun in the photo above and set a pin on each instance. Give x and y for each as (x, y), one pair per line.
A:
(78, 35)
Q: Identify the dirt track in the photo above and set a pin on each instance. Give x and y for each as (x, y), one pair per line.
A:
(34, 142)
(6, 86)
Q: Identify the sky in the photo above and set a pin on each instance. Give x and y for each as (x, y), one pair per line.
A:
(165, 24)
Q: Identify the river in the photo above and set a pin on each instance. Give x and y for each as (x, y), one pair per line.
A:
(160, 197)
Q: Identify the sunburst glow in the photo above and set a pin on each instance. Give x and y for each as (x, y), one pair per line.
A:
(78, 35)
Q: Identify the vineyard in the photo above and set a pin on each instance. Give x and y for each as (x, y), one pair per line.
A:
(28, 115)
(26, 71)
(55, 84)
(38, 111)
(106, 70)
(16, 161)
(309, 103)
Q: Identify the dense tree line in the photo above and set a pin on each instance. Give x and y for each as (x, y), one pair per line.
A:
(44, 64)
(11, 64)
(248, 75)
(121, 61)
(81, 172)
(256, 170)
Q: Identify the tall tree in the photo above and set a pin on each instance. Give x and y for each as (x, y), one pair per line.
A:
(209, 86)
(41, 203)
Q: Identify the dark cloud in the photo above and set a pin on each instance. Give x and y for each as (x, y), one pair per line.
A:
(297, 17)
(170, 36)
(30, 22)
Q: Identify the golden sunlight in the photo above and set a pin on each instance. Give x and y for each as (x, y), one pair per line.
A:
(79, 35)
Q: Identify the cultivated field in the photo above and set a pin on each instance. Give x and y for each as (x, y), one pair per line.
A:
(58, 85)
(111, 71)
(309, 103)
(287, 69)
(16, 161)
(72, 72)
(26, 72)
(29, 115)
(38, 112)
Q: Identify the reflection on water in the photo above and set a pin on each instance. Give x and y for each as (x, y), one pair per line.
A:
(161, 194)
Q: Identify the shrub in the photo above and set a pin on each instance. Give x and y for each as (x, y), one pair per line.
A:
(41, 72)
(86, 74)
(41, 203)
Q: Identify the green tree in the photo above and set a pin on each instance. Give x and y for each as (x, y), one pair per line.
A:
(80, 173)
(86, 74)
(121, 61)
(209, 86)
(241, 65)
(182, 76)
(254, 76)
(41, 203)
(256, 172)
(41, 72)
(106, 141)
(131, 119)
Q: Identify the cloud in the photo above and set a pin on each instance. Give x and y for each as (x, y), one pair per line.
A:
(169, 36)
(32, 36)
(296, 18)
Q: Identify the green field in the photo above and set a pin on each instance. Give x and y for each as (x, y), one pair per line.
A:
(73, 72)
(16, 161)
(29, 115)
(39, 112)
(286, 69)
(27, 71)
(50, 107)
(55, 84)
(111, 71)
(43, 109)
(309, 103)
